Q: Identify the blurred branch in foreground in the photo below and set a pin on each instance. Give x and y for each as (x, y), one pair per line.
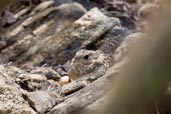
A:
(147, 74)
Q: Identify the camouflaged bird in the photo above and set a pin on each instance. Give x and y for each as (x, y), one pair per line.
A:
(88, 61)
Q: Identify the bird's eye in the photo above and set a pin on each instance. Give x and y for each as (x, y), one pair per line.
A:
(86, 57)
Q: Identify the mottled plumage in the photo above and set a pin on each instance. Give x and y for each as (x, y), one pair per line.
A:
(87, 61)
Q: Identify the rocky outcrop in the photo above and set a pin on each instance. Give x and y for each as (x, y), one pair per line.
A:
(36, 50)
(11, 100)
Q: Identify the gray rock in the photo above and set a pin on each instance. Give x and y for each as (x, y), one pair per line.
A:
(146, 9)
(28, 44)
(48, 72)
(8, 18)
(11, 100)
(41, 7)
(10, 72)
(126, 45)
(32, 82)
(64, 44)
(86, 3)
(3, 44)
(41, 100)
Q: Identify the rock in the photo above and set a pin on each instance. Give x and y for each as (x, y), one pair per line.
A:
(48, 72)
(101, 3)
(72, 87)
(37, 82)
(22, 12)
(11, 100)
(27, 44)
(123, 11)
(8, 18)
(41, 101)
(32, 82)
(13, 72)
(86, 3)
(41, 7)
(126, 45)
(80, 99)
(132, 1)
(64, 44)
(146, 9)
(36, 78)
(63, 69)
(53, 85)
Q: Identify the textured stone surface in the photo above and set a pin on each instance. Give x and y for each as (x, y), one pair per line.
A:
(65, 43)
(41, 101)
(11, 100)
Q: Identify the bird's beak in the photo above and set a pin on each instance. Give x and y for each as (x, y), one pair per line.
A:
(97, 61)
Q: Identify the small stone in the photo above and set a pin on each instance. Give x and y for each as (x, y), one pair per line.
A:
(11, 99)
